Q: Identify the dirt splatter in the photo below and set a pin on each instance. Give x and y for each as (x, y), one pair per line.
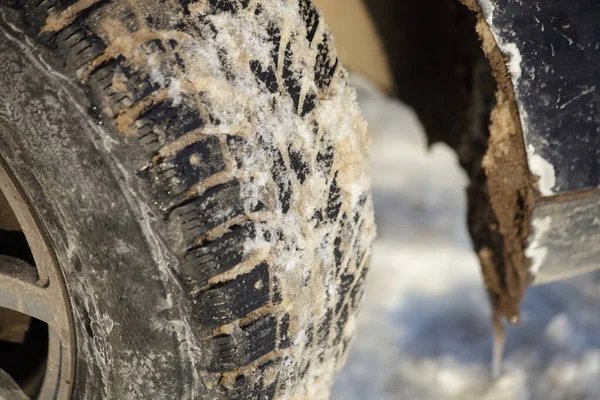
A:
(58, 21)
(508, 188)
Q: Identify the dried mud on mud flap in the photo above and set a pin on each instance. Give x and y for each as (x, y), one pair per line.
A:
(538, 211)
(510, 186)
(552, 54)
(201, 171)
(456, 79)
(502, 191)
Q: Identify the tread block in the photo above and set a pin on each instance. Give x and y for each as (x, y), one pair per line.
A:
(203, 263)
(325, 66)
(324, 327)
(277, 295)
(334, 202)
(231, 6)
(340, 325)
(246, 388)
(234, 299)
(101, 80)
(266, 76)
(244, 346)
(79, 44)
(258, 392)
(215, 207)
(274, 34)
(284, 186)
(174, 46)
(36, 11)
(164, 122)
(356, 295)
(189, 166)
(238, 147)
(298, 164)
(359, 209)
(291, 83)
(338, 254)
(225, 64)
(310, 102)
(325, 158)
(285, 340)
(310, 332)
(311, 18)
(137, 87)
(346, 283)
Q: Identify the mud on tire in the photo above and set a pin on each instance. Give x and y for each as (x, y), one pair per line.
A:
(232, 130)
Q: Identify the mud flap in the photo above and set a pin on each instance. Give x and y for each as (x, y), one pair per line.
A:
(543, 60)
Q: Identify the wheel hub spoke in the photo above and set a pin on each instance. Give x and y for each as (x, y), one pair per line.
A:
(37, 290)
(21, 293)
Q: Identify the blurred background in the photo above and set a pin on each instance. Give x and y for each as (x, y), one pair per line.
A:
(424, 329)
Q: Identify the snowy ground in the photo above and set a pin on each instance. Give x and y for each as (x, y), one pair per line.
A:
(424, 331)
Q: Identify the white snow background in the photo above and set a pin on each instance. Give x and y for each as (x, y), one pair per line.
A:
(424, 330)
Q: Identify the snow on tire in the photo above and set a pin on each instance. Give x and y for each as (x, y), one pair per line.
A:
(251, 150)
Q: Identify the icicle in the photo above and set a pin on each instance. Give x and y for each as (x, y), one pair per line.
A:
(497, 346)
(499, 342)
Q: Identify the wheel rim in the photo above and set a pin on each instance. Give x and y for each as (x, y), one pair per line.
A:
(37, 289)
